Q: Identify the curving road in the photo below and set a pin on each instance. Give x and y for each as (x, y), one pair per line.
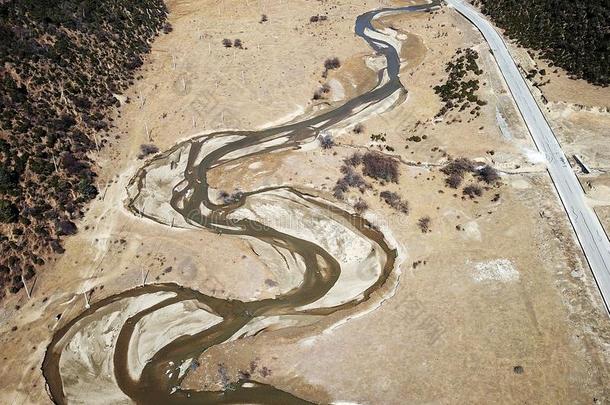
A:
(589, 230)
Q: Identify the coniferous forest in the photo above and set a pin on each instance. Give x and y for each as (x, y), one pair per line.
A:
(574, 35)
(60, 64)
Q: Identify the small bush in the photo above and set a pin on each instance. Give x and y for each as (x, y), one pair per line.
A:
(360, 206)
(340, 188)
(147, 149)
(227, 43)
(238, 44)
(354, 160)
(332, 63)
(264, 18)
(454, 180)
(352, 178)
(317, 18)
(224, 196)
(380, 167)
(488, 174)
(227, 198)
(424, 224)
(318, 94)
(378, 137)
(473, 191)
(358, 129)
(394, 201)
(236, 196)
(327, 141)
(459, 166)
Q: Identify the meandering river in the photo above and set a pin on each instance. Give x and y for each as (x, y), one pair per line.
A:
(103, 346)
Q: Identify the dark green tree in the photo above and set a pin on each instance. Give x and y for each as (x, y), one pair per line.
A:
(8, 212)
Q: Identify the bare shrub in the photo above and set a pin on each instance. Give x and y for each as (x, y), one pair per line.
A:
(317, 18)
(358, 128)
(227, 198)
(224, 196)
(381, 167)
(227, 43)
(473, 191)
(354, 160)
(488, 174)
(340, 188)
(236, 196)
(424, 224)
(454, 180)
(147, 149)
(238, 44)
(332, 63)
(264, 18)
(224, 376)
(327, 141)
(456, 169)
(360, 206)
(352, 178)
(394, 201)
(318, 94)
(459, 166)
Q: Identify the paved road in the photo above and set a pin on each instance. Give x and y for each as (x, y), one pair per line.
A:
(589, 231)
